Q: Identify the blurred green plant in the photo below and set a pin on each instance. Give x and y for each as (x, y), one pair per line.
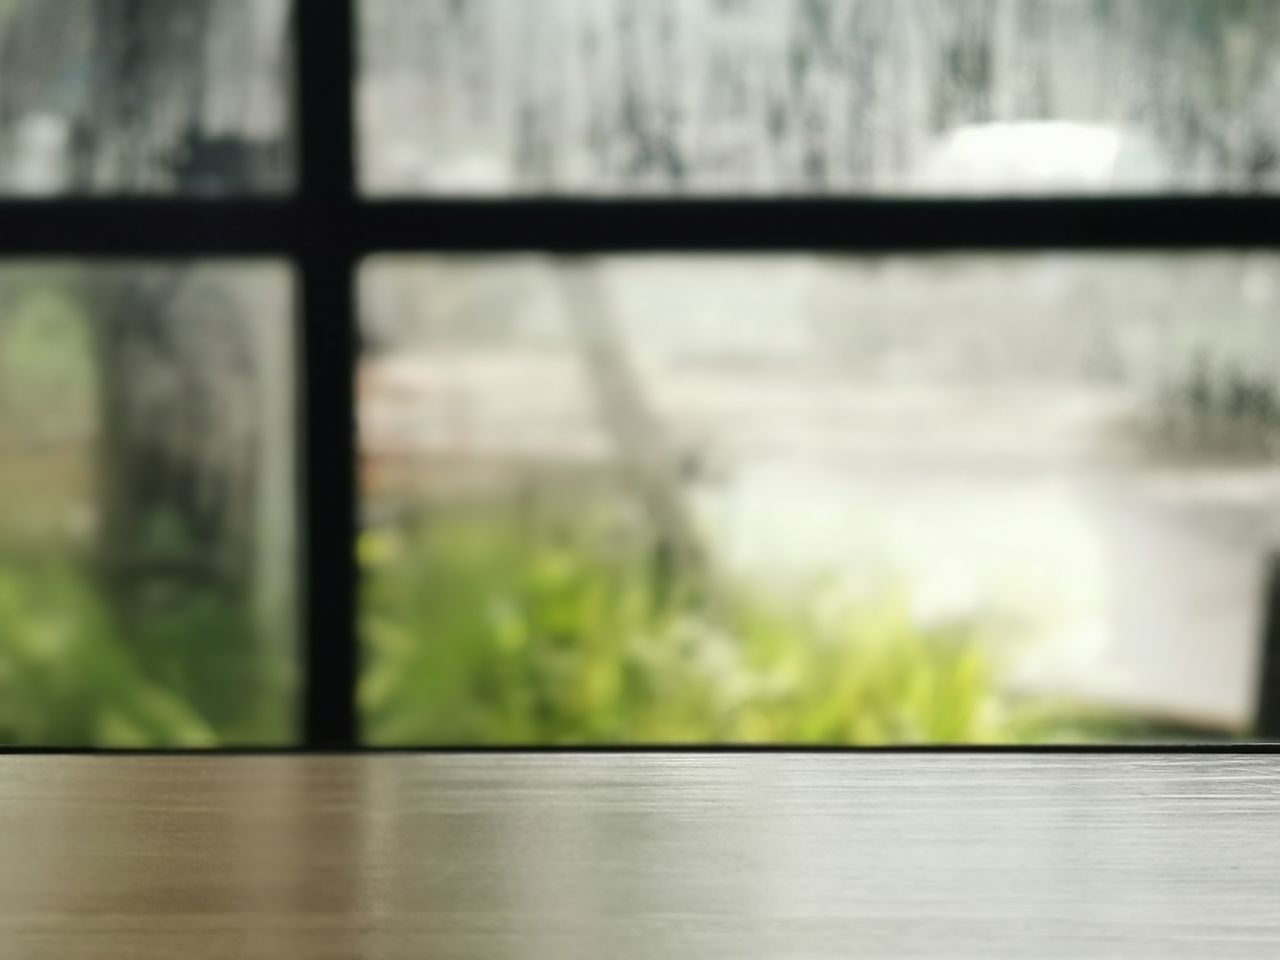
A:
(187, 673)
(484, 627)
(66, 680)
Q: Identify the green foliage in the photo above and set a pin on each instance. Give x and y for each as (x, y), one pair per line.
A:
(482, 628)
(490, 629)
(199, 642)
(65, 679)
(184, 670)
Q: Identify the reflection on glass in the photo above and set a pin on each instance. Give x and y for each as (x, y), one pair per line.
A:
(819, 96)
(143, 96)
(816, 499)
(146, 540)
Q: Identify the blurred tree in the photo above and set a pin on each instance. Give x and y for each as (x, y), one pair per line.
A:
(154, 95)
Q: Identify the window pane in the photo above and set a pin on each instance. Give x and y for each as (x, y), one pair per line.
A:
(146, 519)
(816, 499)
(819, 96)
(144, 96)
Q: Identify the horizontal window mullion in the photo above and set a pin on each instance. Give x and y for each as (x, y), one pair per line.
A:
(850, 225)
(169, 228)
(159, 228)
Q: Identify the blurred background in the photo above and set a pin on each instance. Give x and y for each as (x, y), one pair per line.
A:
(1015, 497)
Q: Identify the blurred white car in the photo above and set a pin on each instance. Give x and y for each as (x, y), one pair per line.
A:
(1043, 157)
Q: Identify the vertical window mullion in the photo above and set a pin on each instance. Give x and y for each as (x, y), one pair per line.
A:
(326, 191)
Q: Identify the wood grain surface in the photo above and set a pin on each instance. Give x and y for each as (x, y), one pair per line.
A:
(620, 856)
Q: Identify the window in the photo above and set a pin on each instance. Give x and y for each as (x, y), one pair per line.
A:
(908, 496)
(147, 539)
(144, 97)
(817, 371)
(770, 97)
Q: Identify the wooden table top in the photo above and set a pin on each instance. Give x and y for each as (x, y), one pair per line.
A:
(655, 855)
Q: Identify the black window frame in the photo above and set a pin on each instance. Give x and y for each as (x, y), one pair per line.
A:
(324, 228)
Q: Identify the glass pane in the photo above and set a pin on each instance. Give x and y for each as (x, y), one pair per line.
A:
(819, 96)
(146, 505)
(144, 96)
(804, 499)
